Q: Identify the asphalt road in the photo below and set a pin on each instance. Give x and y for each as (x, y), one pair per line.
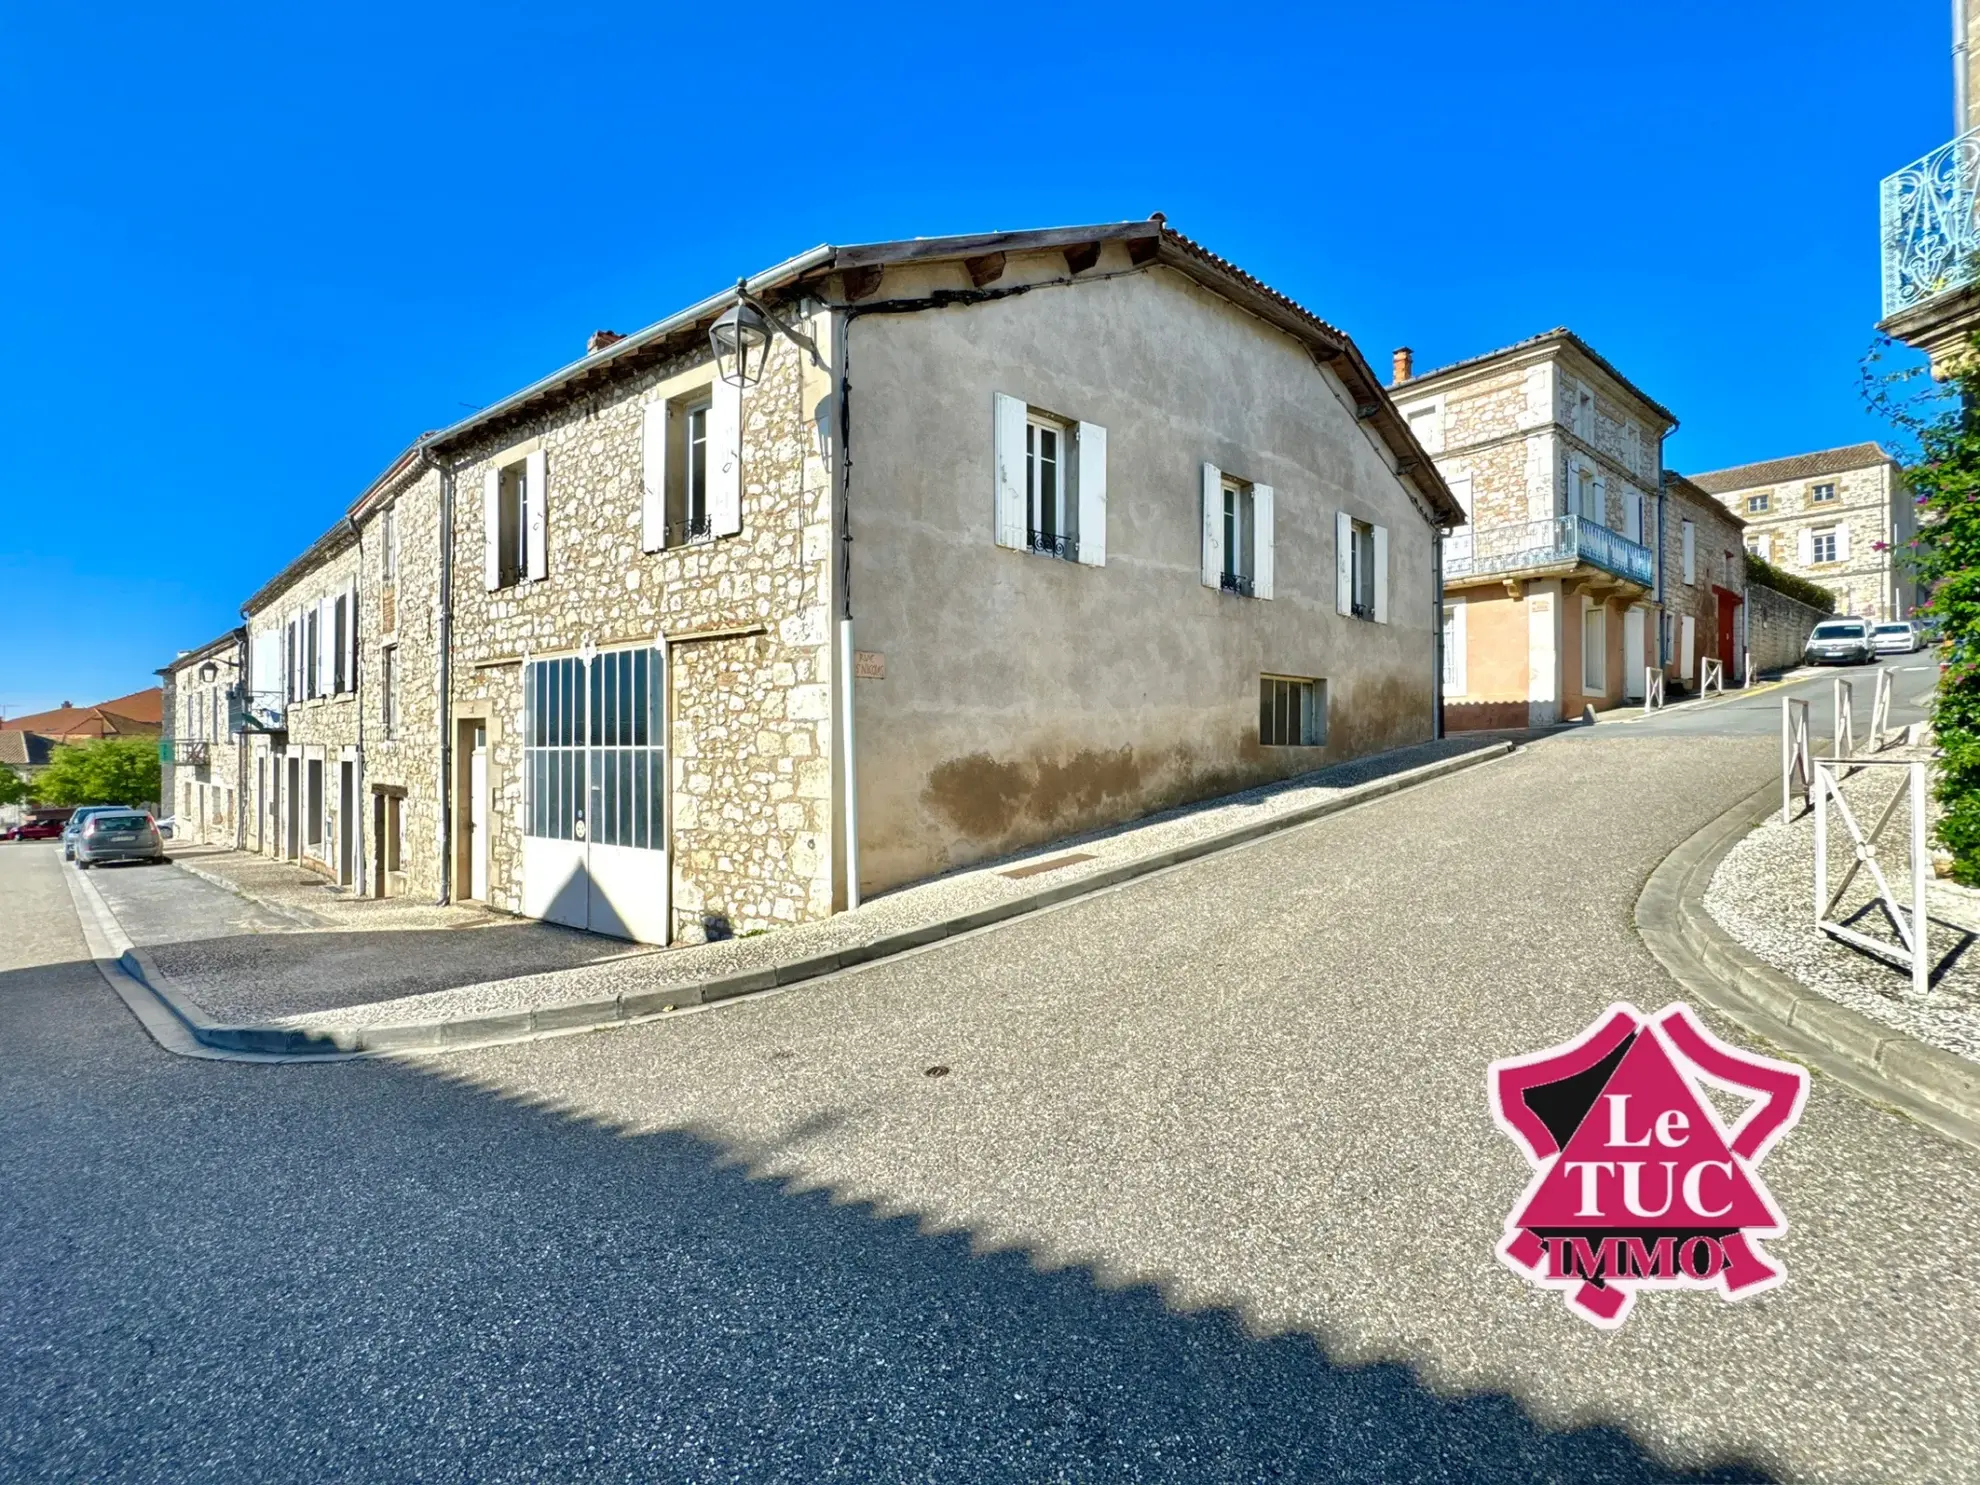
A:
(1207, 1192)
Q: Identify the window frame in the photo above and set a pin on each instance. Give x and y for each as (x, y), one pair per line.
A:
(1057, 536)
(1818, 535)
(1292, 705)
(1816, 495)
(1240, 525)
(1760, 504)
(512, 523)
(1361, 569)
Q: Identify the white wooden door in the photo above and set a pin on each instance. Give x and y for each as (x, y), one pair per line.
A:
(478, 817)
(1633, 661)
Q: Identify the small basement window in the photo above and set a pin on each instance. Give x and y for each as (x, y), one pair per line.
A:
(1292, 712)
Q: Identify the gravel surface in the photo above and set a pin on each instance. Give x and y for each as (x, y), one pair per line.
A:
(942, 897)
(1763, 895)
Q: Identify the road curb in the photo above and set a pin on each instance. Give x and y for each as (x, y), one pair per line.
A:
(1875, 1061)
(316, 1040)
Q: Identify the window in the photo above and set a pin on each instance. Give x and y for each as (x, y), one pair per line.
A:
(592, 732)
(1052, 516)
(1819, 494)
(1364, 570)
(1582, 417)
(1589, 496)
(1758, 544)
(388, 541)
(1689, 537)
(388, 689)
(1454, 647)
(1426, 421)
(693, 467)
(1757, 505)
(291, 671)
(312, 655)
(1292, 712)
(340, 625)
(1594, 650)
(1822, 545)
(1240, 530)
(511, 509)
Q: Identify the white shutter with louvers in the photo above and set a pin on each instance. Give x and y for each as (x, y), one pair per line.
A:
(1213, 526)
(653, 478)
(491, 529)
(725, 460)
(1805, 548)
(1261, 541)
(1007, 472)
(1632, 504)
(1092, 495)
(1842, 541)
(351, 661)
(1690, 552)
(326, 644)
(536, 515)
(1343, 563)
(1381, 574)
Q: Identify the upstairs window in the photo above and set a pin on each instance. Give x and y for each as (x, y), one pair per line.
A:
(1819, 494)
(312, 653)
(1758, 505)
(1361, 551)
(1238, 536)
(388, 689)
(692, 454)
(388, 545)
(1050, 477)
(1688, 536)
(1822, 545)
(514, 499)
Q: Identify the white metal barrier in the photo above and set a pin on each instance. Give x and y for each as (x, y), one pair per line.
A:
(1911, 952)
(1844, 736)
(1712, 677)
(1797, 772)
(1653, 689)
(1880, 714)
(1747, 677)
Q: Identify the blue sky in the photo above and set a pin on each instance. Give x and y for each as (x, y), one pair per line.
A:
(252, 252)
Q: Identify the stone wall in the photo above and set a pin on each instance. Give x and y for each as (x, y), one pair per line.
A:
(1870, 502)
(202, 786)
(1777, 628)
(1719, 560)
(746, 623)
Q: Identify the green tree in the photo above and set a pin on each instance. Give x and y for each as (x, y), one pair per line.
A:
(1944, 480)
(117, 770)
(13, 788)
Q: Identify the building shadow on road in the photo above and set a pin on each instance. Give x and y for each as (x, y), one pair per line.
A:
(373, 1271)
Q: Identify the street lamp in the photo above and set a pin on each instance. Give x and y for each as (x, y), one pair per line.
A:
(208, 671)
(741, 335)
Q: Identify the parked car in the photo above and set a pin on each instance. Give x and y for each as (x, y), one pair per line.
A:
(76, 823)
(35, 830)
(1841, 642)
(1897, 638)
(118, 835)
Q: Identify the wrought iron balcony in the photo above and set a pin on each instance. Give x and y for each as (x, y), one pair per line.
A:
(1238, 583)
(1551, 542)
(189, 752)
(1926, 215)
(1055, 544)
(692, 532)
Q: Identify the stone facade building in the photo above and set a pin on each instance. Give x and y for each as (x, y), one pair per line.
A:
(200, 752)
(1704, 565)
(1840, 518)
(1553, 593)
(990, 540)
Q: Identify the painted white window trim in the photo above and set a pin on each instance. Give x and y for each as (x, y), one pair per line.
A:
(1456, 670)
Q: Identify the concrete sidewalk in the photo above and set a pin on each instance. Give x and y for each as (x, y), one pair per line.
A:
(309, 1003)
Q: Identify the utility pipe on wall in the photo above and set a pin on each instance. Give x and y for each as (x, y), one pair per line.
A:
(443, 798)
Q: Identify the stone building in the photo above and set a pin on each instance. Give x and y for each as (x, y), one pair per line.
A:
(986, 541)
(200, 748)
(1840, 518)
(1553, 592)
(1704, 564)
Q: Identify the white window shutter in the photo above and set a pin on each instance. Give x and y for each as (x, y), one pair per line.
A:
(1092, 495)
(491, 529)
(536, 487)
(1687, 641)
(1632, 515)
(1805, 547)
(1690, 553)
(1213, 526)
(1842, 542)
(725, 460)
(1381, 574)
(1343, 563)
(1261, 541)
(1008, 473)
(653, 479)
(326, 644)
(1454, 678)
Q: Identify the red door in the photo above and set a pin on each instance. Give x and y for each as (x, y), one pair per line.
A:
(1728, 607)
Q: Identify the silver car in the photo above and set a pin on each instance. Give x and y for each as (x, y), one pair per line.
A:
(76, 822)
(118, 835)
(1898, 638)
(1841, 642)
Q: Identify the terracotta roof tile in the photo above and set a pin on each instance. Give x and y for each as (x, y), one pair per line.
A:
(1795, 467)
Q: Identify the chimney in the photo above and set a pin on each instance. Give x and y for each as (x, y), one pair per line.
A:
(1402, 366)
(600, 339)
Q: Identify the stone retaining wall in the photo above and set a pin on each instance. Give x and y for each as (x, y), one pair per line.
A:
(1777, 627)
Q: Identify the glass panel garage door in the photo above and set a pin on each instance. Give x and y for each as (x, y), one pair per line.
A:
(594, 792)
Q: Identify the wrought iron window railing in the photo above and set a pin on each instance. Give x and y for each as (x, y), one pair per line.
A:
(1362, 610)
(1236, 582)
(1552, 541)
(1054, 544)
(190, 752)
(1930, 236)
(693, 530)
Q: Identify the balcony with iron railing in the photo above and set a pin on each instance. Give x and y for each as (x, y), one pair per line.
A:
(1927, 222)
(1553, 543)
